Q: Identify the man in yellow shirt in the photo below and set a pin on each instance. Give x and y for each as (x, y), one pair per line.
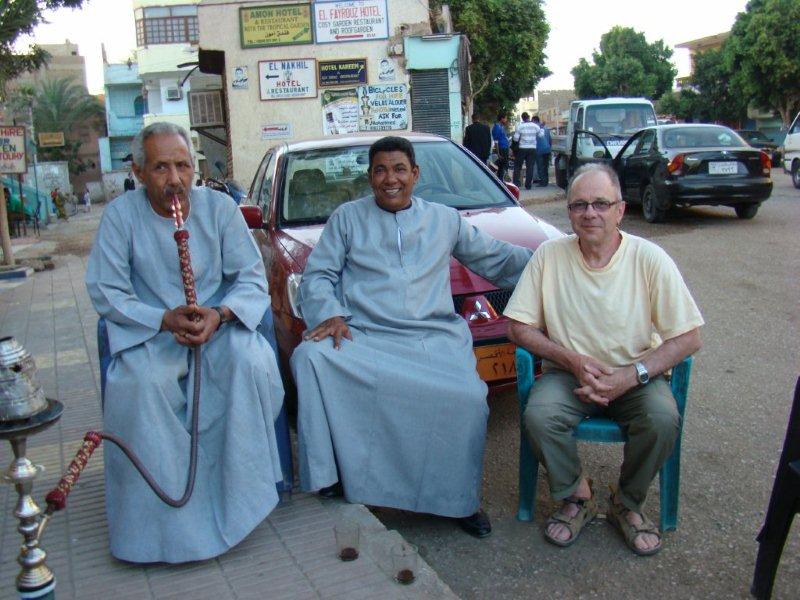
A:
(595, 306)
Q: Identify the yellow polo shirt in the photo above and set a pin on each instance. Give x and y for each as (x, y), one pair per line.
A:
(616, 314)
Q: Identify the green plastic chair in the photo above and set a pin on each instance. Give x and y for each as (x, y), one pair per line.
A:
(602, 430)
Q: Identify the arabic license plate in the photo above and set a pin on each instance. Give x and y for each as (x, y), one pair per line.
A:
(722, 168)
(496, 362)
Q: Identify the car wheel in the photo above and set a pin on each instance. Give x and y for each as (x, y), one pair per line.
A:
(796, 174)
(650, 209)
(561, 178)
(746, 211)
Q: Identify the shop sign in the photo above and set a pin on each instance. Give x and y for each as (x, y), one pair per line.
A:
(278, 25)
(350, 21)
(287, 79)
(342, 72)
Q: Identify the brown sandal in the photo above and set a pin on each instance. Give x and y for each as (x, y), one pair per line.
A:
(587, 510)
(616, 516)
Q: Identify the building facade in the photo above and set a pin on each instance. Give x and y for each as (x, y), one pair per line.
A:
(167, 36)
(299, 69)
(125, 109)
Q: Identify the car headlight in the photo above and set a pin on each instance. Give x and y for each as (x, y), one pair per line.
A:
(292, 290)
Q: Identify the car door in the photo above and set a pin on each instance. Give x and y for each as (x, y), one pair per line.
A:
(637, 167)
(620, 163)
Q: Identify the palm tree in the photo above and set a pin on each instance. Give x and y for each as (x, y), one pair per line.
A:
(61, 105)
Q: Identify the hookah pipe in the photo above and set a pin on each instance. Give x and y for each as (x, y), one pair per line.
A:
(57, 498)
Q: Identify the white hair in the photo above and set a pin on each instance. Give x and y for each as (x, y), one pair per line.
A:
(596, 167)
(158, 128)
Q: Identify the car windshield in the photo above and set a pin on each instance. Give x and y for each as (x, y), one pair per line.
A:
(619, 118)
(317, 181)
(701, 137)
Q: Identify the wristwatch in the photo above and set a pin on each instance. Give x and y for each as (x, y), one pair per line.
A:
(641, 373)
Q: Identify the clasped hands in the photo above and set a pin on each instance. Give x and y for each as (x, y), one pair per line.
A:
(185, 329)
(601, 384)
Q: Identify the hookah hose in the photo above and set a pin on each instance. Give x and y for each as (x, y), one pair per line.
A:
(57, 498)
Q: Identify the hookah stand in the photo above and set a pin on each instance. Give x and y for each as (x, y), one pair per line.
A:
(24, 412)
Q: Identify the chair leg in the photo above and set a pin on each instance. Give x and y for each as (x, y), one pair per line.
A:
(669, 488)
(528, 477)
(772, 538)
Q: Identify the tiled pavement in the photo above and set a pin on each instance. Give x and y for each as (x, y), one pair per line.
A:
(290, 555)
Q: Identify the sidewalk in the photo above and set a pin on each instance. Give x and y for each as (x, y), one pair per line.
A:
(290, 555)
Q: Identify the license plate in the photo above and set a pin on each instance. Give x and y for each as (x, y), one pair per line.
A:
(496, 362)
(723, 168)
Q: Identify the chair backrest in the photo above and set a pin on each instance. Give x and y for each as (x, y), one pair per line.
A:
(791, 444)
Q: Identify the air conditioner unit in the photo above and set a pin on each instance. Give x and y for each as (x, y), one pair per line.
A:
(205, 109)
(174, 93)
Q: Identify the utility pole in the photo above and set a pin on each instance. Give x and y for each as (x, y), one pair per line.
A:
(5, 235)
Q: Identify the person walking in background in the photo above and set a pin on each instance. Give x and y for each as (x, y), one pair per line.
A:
(543, 148)
(478, 139)
(525, 139)
(129, 184)
(87, 201)
(501, 141)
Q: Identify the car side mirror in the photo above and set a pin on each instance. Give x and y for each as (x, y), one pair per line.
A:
(512, 188)
(253, 216)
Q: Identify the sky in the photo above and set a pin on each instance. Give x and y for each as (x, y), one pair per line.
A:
(575, 30)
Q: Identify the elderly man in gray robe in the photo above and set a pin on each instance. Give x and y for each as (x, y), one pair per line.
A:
(391, 411)
(134, 281)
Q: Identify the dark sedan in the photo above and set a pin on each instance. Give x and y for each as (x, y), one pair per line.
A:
(759, 139)
(692, 164)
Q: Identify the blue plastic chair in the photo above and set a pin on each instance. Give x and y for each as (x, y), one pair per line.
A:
(602, 430)
(266, 329)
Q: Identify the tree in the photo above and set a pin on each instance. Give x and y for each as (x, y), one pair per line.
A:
(20, 17)
(765, 55)
(717, 99)
(59, 105)
(625, 66)
(678, 104)
(506, 42)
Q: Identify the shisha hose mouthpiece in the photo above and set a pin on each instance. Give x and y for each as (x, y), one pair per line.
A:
(182, 239)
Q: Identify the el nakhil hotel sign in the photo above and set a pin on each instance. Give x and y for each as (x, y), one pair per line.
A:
(12, 149)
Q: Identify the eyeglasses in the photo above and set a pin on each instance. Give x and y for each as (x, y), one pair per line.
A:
(600, 206)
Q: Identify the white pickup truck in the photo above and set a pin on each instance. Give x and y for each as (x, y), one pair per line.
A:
(791, 151)
(614, 120)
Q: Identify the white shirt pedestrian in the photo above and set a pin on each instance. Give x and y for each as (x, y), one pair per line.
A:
(87, 201)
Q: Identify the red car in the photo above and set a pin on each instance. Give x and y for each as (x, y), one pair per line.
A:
(298, 185)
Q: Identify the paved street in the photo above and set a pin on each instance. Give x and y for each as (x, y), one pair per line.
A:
(744, 276)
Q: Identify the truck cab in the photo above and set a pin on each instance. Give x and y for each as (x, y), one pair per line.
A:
(613, 120)
(791, 151)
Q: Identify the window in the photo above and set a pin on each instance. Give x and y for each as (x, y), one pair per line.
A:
(139, 106)
(166, 25)
(646, 144)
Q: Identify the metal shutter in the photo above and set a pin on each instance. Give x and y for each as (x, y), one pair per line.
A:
(430, 102)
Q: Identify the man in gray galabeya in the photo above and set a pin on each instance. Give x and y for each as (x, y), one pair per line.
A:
(390, 406)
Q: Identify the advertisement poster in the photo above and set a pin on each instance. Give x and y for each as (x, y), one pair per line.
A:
(351, 71)
(286, 79)
(240, 80)
(350, 21)
(276, 131)
(382, 107)
(339, 111)
(12, 149)
(280, 25)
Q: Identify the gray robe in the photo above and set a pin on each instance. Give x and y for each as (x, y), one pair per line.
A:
(132, 278)
(400, 408)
